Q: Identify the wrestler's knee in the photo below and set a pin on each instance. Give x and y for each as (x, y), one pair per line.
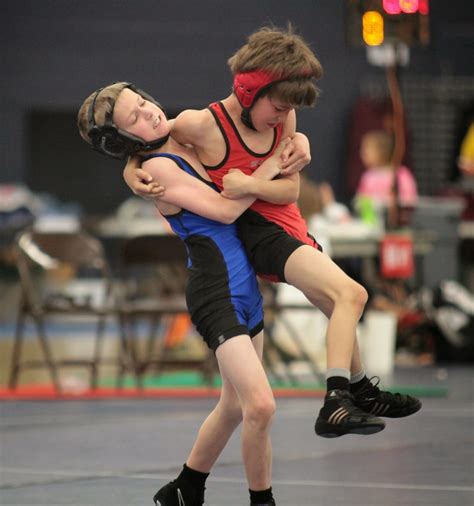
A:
(353, 294)
(259, 412)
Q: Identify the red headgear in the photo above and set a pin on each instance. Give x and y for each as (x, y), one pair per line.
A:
(248, 85)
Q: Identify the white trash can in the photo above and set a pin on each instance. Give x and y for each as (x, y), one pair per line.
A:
(377, 341)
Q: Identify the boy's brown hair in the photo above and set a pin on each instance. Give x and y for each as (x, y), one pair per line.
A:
(104, 105)
(282, 53)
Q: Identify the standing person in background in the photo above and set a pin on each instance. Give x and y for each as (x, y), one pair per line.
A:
(386, 186)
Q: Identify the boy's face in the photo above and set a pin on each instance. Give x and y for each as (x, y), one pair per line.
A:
(139, 117)
(269, 112)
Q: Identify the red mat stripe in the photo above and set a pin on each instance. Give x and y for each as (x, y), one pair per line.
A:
(47, 392)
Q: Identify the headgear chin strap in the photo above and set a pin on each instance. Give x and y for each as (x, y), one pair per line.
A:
(111, 140)
(248, 87)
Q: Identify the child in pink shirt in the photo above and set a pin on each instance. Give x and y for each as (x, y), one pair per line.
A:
(378, 181)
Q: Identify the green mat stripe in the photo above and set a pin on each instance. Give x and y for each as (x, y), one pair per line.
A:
(194, 379)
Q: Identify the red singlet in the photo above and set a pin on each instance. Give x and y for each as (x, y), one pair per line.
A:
(239, 155)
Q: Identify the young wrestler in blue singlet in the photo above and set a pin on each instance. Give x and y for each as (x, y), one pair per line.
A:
(222, 292)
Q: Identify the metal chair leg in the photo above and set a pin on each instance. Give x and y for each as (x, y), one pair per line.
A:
(96, 359)
(47, 352)
(301, 348)
(17, 347)
(127, 354)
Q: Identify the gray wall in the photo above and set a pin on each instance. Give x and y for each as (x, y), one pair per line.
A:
(54, 53)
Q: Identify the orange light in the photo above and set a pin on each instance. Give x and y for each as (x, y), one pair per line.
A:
(409, 6)
(372, 28)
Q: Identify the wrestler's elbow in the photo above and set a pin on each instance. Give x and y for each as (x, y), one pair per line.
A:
(228, 214)
(228, 217)
(291, 196)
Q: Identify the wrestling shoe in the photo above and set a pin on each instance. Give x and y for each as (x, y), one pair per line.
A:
(172, 495)
(271, 503)
(340, 416)
(378, 402)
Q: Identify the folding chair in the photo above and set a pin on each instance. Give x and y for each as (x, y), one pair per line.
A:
(278, 316)
(152, 272)
(39, 255)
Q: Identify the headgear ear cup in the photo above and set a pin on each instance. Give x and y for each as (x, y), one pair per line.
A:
(249, 85)
(110, 140)
(113, 144)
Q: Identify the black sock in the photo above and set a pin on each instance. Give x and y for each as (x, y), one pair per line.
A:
(261, 496)
(191, 479)
(354, 387)
(337, 383)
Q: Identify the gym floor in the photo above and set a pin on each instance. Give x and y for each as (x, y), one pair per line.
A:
(119, 452)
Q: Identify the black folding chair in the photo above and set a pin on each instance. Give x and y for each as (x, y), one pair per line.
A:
(274, 354)
(38, 256)
(152, 272)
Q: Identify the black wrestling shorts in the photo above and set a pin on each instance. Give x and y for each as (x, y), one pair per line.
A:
(268, 245)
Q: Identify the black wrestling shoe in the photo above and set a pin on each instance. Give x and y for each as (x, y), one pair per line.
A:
(340, 416)
(271, 503)
(378, 402)
(172, 495)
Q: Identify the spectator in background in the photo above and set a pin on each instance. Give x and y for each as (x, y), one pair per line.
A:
(318, 199)
(388, 188)
(466, 152)
(463, 180)
(384, 184)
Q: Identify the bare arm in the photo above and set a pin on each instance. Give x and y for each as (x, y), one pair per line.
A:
(283, 190)
(141, 182)
(191, 125)
(278, 191)
(298, 155)
(187, 192)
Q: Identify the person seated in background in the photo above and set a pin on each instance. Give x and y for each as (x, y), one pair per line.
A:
(323, 212)
(384, 187)
(383, 184)
(318, 199)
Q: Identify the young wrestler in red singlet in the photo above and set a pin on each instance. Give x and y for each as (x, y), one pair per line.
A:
(274, 74)
(266, 228)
